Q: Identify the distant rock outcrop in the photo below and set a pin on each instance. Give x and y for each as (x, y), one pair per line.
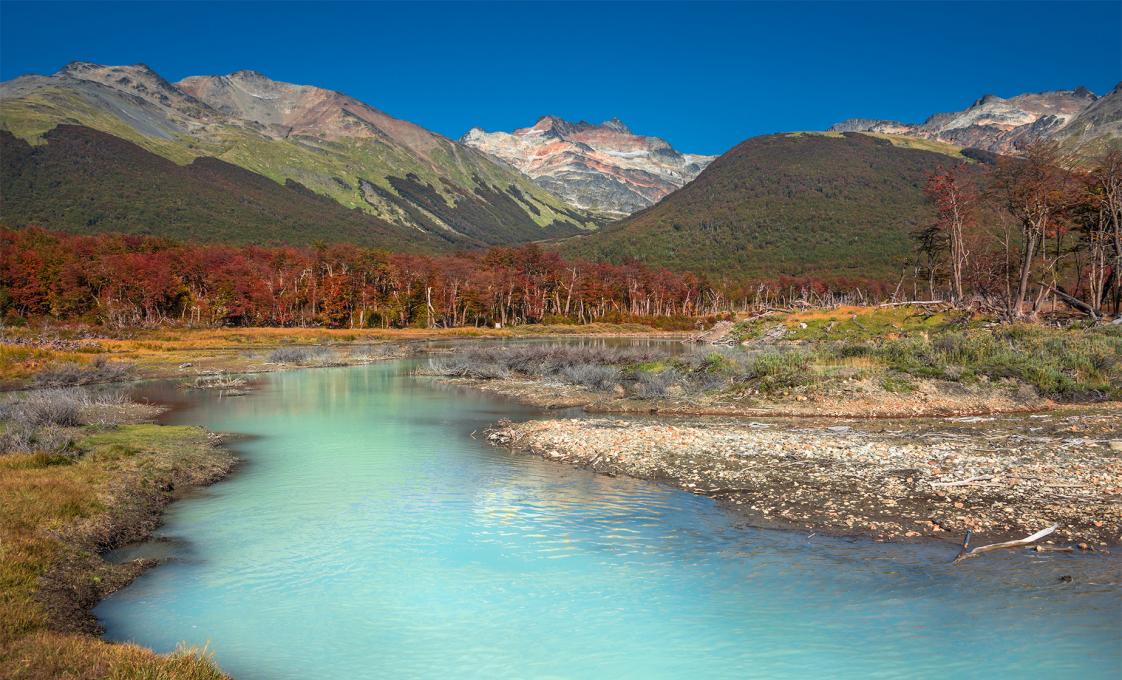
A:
(603, 168)
(1076, 117)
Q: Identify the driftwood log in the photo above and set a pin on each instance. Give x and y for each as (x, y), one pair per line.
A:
(966, 553)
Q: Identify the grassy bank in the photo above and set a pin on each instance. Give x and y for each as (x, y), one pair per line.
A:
(78, 476)
(892, 361)
(26, 353)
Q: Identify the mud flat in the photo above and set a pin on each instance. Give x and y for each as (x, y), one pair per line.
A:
(1002, 477)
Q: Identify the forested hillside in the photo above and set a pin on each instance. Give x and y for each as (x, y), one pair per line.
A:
(86, 181)
(815, 206)
(337, 146)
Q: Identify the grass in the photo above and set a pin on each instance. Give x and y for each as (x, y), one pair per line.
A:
(301, 356)
(56, 655)
(56, 513)
(19, 363)
(902, 141)
(851, 323)
(159, 352)
(98, 370)
(1066, 365)
(894, 347)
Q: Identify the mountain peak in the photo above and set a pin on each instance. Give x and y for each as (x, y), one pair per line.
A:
(85, 69)
(602, 167)
(987, 99)
(616, 124)
(248, 74)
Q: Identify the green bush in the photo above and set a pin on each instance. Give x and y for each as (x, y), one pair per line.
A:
(1065, 364)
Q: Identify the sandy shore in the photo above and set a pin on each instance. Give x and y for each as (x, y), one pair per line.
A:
(1004, 477)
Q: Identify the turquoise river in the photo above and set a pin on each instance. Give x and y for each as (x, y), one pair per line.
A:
(368, 534)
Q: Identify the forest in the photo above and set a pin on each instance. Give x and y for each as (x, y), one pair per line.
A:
(1013, 238)
(1022, 236)
(127, 280)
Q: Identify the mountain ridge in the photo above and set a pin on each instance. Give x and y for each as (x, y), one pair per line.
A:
(331, 143)
(1077, 118)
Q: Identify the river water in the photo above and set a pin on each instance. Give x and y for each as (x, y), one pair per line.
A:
(369, 535)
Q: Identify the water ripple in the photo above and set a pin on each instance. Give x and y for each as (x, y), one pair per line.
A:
(371, 537)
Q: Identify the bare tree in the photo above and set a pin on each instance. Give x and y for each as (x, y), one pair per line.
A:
(1104, 230)
(955, 201)
(1036, 191)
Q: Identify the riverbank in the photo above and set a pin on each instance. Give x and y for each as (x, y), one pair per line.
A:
(26, 354)
(105, 482)
(1001, 477)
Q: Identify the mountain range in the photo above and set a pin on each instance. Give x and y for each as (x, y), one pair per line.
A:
(242, 158)
(1078, 119)
(323, 140)
(605, 169)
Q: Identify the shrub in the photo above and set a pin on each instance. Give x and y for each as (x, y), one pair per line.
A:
(299, 355)
(1067, 364)
(468, 366)
(36, 423)
(655, 385)
(48, 407)
(782, 370)
(897, 384)
(593, 376)
(99, 370)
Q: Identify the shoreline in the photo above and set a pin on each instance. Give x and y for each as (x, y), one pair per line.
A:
(136, 468)
(792, 491)
(862, 478)
(869, 406)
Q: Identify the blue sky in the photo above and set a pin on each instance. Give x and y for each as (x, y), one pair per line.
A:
(704, 76)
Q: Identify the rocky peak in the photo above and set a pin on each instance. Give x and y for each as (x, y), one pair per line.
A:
(143, 86)
(603, 168)
(617, 125)
(132, 77)
(987, 99)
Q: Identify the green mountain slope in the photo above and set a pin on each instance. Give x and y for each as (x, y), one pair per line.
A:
(326, 141)
(86, 181)
(826, 206)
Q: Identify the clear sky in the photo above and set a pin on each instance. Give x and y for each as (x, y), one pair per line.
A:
(704, 76)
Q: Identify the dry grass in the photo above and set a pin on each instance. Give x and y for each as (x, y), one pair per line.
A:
(56, 513)
(19, 363)
(158, 352)
(47, 656)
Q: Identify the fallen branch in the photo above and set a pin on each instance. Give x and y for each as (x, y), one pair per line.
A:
(964, 482)
(1073, 302)
(982, 549)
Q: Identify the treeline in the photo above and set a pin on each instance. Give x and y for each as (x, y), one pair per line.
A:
(126, 280)
(1026, 235)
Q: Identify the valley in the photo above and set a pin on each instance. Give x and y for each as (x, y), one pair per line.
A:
(342, 341)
